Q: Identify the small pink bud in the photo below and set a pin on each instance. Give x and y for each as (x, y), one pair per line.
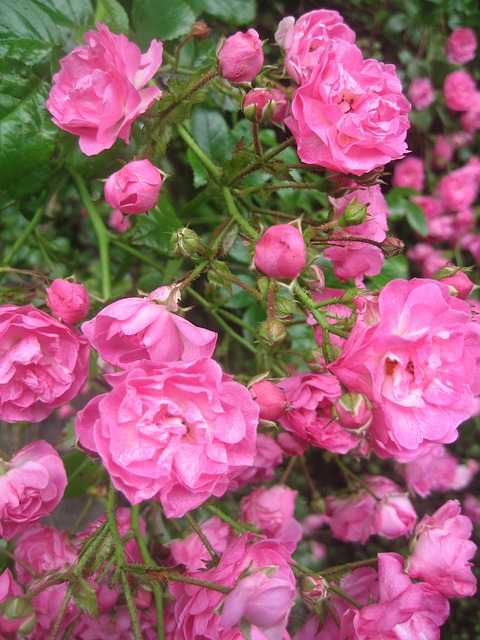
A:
(353, 412)
(259, 105)
(457, 280)
(282, 105)
(68, 300)
(135, 188)
(241, 57)
(118, 221)
(281, 253)
(270, 399)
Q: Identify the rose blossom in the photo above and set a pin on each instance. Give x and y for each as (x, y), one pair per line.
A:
(32, 483)
(191, 551)
(461, 46)
(471, 508)
(134, 329)
(421, 93)
(457, 190)
(416, 360)
(409, 173)
(177, 432)
(101, 88)
(134, 188)
(442, 551)
(269, 455)
(442, 152)
(470, 118)
(305, 39)
(350, 115)
(44, 363)
(281, 253)
(458, 88)
(68, 300)
(241, 57)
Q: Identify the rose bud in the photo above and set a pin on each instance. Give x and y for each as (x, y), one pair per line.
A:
(353, 412)
(272, 331)
(241, 57)
(200, 30)
(270, 399)
(68, 300)
(135, 188)
(457, 281)
(282, 105)
(259, 105)
(118, 222)
(281, 253)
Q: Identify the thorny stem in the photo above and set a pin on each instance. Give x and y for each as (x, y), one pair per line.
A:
(319, 317)
(201, 83)
(277, 185)
(223, 516)
(266, 158)
(237, 216)
(344, 595)
(192, 522)
(132, 609)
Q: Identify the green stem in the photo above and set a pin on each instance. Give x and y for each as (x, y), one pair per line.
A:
(32, 225)
(201, 155)
(193, 275)
(206, 543)
(349, 567)
(201, 83)
(113, 528)
(312, 307)
(61, 612)
(205, 584)
(275, 186)
(132, 609)
(223, 516)
(258, 165)
(237, 216)
(101, 233)
(344, 595)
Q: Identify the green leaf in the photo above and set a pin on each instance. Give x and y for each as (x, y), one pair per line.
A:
(81, 473)
(85, 597)
(232, 11)
(113, 14)
(416, 218)
(210, 131)
(162, 19)
(200, 174)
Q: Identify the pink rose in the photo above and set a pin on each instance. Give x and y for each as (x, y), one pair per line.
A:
(44, 363)
(31, 486)
(350, 115)
(427, 260)
(409, 173)
(470, 118)
(134, 329)
(271, 511)
(305, 39)
(177, 432)
(442, 152)
(134, 188)
(281, 253)
(270, 399)
(311, 397)
(442, 551)
(101, 88)
(461, 45)
(241, 57)
(191, 551)
(457, 190)
(282, 105)
(417, 364)
(68, 300)
(421, 93)
(471, 508)
(459, 89)
(119, 221)
(268, 457)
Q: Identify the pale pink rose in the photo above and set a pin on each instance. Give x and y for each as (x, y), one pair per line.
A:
(417, 364)
(176, 432)
(461, 45)
(134, 188)
(409, 173)
(134, 329)
(305, 39)
(191, 551)
(282, 105)
(381, 508)
(470, 118)
(241, 57)
(281, 253)
(458, 89)
(471, 508)
(263, 600)
(311, 397)
(259, 105)
(101, 88)
(457, 190)
(32, 483)
(350, 115)
(271, 510)
(119, 221)
(357, 259)
(442, 152)
(270, 399)
(404, 609)
(269, 455)
(421, 93)
(44, 363)
(68, 300)
(442, 551)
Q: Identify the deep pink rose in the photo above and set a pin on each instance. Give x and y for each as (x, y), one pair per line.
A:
(281, 253)
(458, 88)
(191, 551)
(44, 363)
(177, 432)
(270, 399)
(134, 329)
(101, 88)
(421, 93)
(415, 359)
(442, 551)
(461, 46)
(311, 397)
(350, 115)
(68, 300)
(305, 39)
(269, 455)
(32, 483)
(134, 188)
(241, 57)
(409, 173)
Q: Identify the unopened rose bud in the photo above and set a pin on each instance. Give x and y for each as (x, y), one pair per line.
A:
(457, 281)
(270, 399)
(353, 214)
(272, 331)
(392, 247)
(353, 412)
(185, 242)
(282, 106)
(281, 253)
(68, 300)
(312, 589)
(200, 30)
(17, 618)
(283, 308)
(118, 221)
(135, 188)
(241, 57)
(259, 105)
